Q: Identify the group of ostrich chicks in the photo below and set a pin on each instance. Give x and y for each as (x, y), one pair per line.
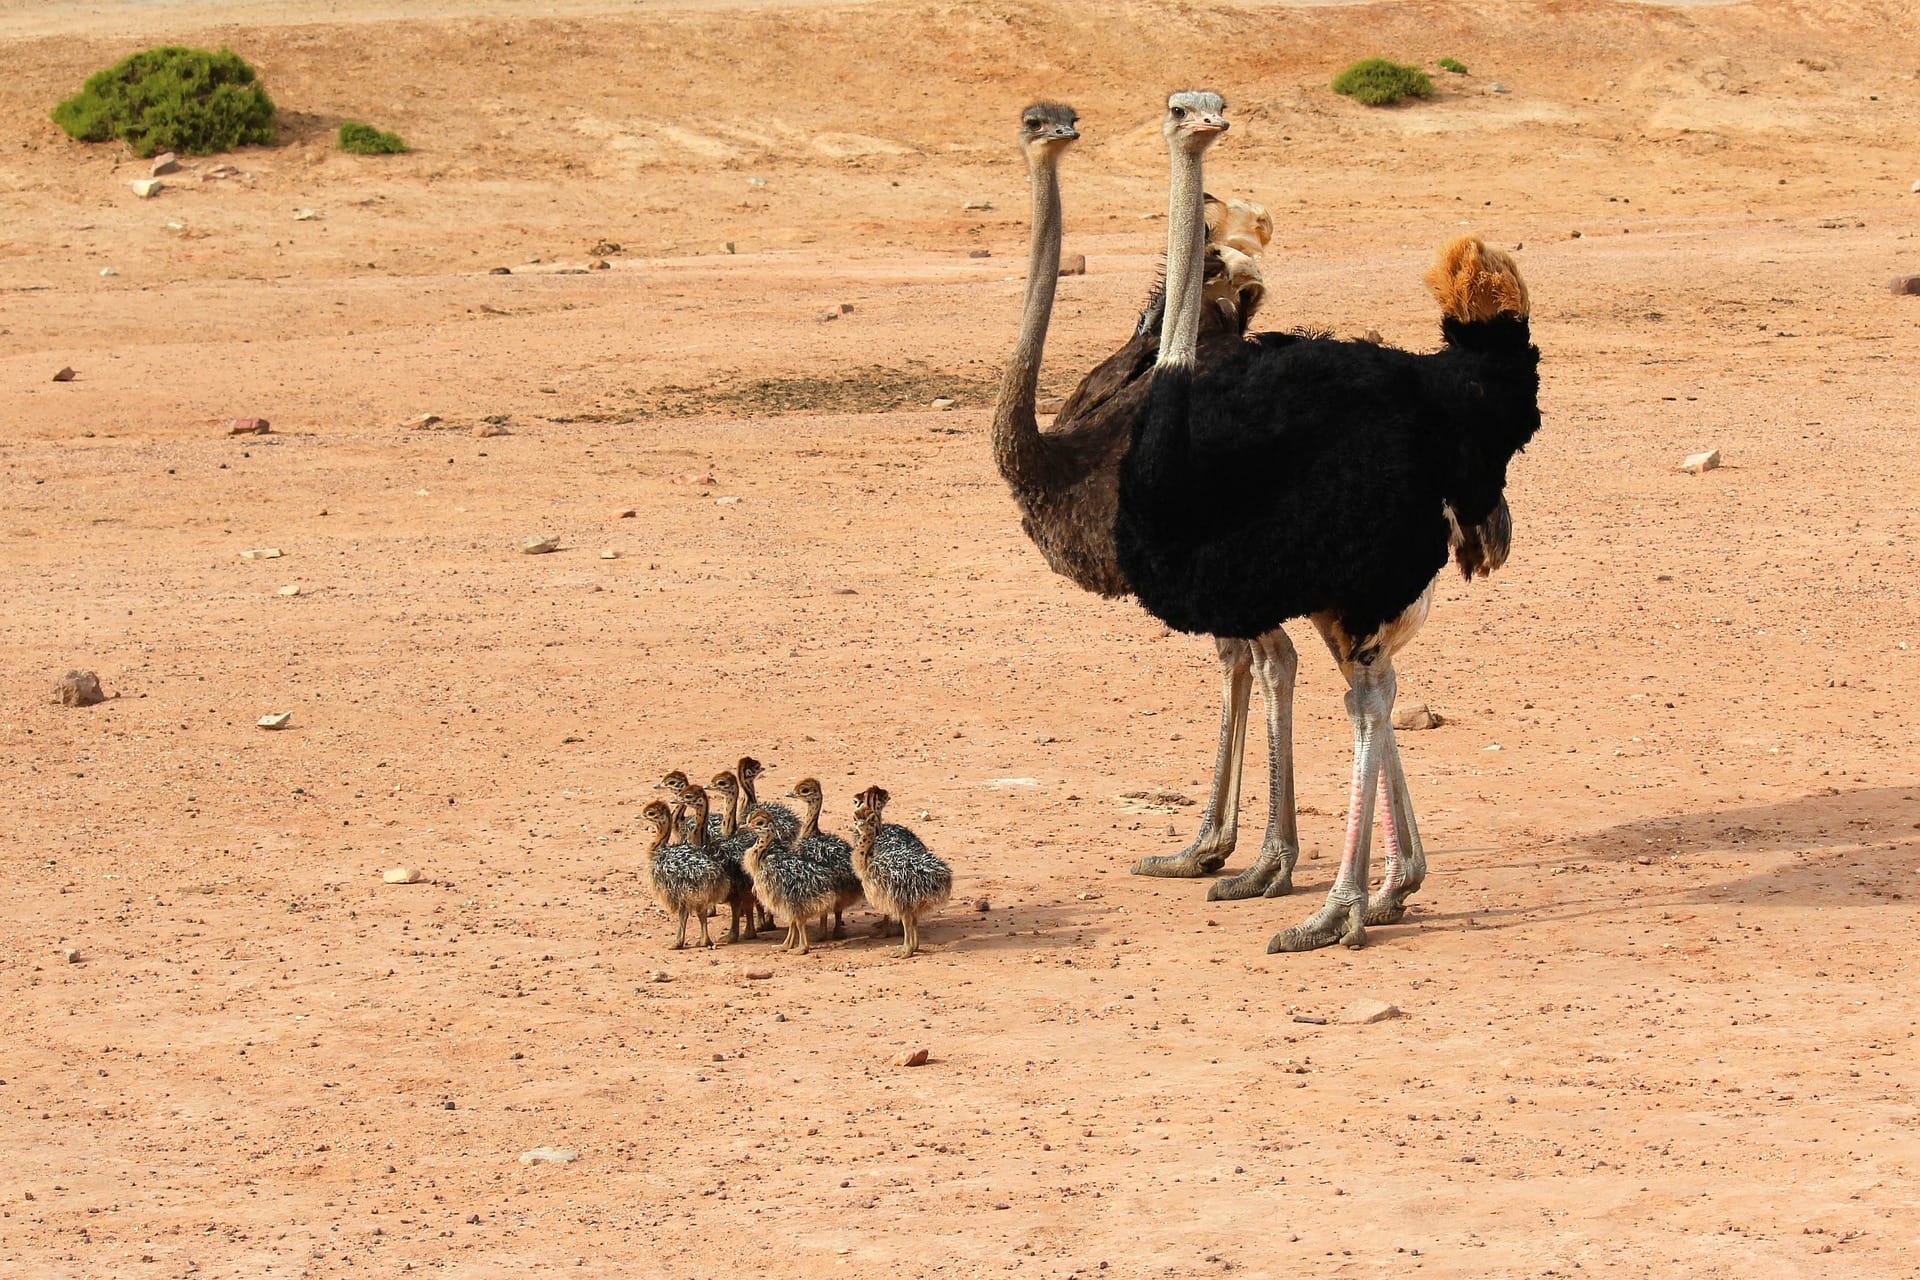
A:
(767, 864)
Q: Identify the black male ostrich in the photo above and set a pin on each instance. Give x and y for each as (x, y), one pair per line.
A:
(1320, 479)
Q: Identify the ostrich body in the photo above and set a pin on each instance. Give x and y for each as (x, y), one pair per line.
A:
(901, 877)
(789, 883)
(685, 881)
(1322, 479)
(785, 822)
(830, 851)
(729, 846)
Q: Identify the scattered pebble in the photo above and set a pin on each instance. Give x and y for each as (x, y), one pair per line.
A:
(108, 271)
(1311, 1019)
(979, 253)
(1497, 87)
(549, 1155)
(422, 422)
(79, 688)
(65, 375)
(70, 954)
(825, 316)
(912, 1058)
(500, 271)
(488, 430)
(625, 513)
(146, 188)
(942, 402)
(539, 546)
(291, 589)
(304, 215)
(1049, 404)
(1073, 264)
(250, 427)
(727, 247)
(978, 206)
(1362, 1012)
(1699, 462)
(261, 553)
(401, 875)
(163, 163)
(609, 554)
(728, 501)
(1906, 285)
(1414, 715)
(659, 975)
(275, 720)
(756, 974)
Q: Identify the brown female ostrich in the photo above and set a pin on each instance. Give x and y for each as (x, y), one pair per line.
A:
(1304, 477)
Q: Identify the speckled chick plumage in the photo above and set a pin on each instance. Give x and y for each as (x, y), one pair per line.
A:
(793, 887)
(685, 881)
(786, 823)
(831, 851)
(901, 876)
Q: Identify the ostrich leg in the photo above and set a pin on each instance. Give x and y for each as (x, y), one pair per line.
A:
(1275, 663)
(1406, 860)
(1220, 827)
(1343, 918)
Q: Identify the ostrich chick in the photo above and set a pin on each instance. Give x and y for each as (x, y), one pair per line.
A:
(785, 822)
(829, 850)
(685, 881)
(900, 876)
(732, 847)
(788, 883)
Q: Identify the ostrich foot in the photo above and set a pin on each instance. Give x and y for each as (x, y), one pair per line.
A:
(1389, 907)
(1336, 922)
(1206, 855)
(1270, 877)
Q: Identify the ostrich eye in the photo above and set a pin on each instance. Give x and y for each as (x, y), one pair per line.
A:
(1179, 113)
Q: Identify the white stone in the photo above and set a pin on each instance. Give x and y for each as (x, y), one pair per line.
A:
(108, 271)
(291, 589)
(146, 188)
(1696, 463)
(277, 720)
(549, 1155)
(304, 215)
(401, 875)
(260, 553)
(943, 403)
(1362, 1012)
(539, 546)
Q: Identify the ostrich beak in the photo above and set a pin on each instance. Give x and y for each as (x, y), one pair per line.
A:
(1209, 123)
(1063, 133)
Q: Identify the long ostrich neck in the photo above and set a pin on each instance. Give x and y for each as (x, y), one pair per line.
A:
(697, 833)
(811, 827)
(652, 853)
(730, 815)
(1016, 432)
(1186, 250)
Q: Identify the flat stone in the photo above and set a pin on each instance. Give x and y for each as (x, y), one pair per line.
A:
(261, 553)
(846, 308)
(108, 271)
(500, 271)
(1049, 404)
(1413, 715)
(249, 427)
(1497, 87)
(1362, 1012)
(146, 188)
(290, 589)
(401, 875)
(422, 422)
(488, 430)
(538, 546)
(65, 375)
(978, 206)
(80, 688)
(304, 215)
(549, 1155)
(824, 316)
(625, 513)
(1696, 463)
(756, 974)
(165, 162)
(912, 1058)
(1073, 264)
(276, 720)
(942, 402)
(609, 554)
(730, 500)
(659, 975)
(979, 253)
(1905, 285)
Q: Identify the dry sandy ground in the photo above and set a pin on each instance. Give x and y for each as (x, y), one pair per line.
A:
(1659, 1013)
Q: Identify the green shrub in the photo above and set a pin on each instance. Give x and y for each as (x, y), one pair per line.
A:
(1454, 65)
(365, 140)
(1375, 82)
(171, 99)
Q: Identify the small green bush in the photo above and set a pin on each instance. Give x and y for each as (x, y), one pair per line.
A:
(1454, 65)
(1375, 82)
(192, 101)
(365, 140)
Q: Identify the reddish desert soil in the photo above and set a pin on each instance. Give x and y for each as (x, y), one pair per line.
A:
(1659, 1017)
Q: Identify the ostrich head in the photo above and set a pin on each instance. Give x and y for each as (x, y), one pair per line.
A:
(726, 784)
(657, 816)
(807, 789)
(1195, 118)
(1046, 128)
(1475, 282)
(675, 782)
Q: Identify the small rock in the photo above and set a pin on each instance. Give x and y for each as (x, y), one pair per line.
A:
(539, 546)
(1073, 264)
(500, 271)
(1699, 462)
(488, 430)
(1310, 1019)
(79, 688)
(65, 375)
(422, 422)
(625, 513)
(728, 501)
(609, 554)
(979, 253)
(261, 553)
(912, 1058)
(601, 264)
(290, 590)
(275, 720)
(1915, 186)
(659, 975)
(1497, 87)
(70, 954)
(978, 206)
(1905, 285)
(756, 974)
(146, 188)
(982, 905)
(304, 215)
(942, 402)
(756, 182)
(549, 1155)
(163, 163)
(779, 1017)
(1414, 715)
(108, 271)
(1049, 404)
(401, 875)
(1362, 1012)
(728, 247)
(249, 427)
(824, 316)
